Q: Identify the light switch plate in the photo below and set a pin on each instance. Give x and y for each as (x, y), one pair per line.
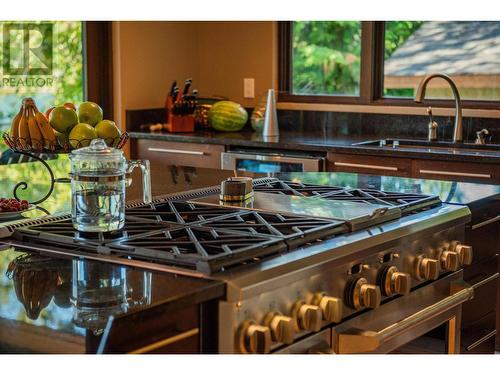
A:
(249, 88)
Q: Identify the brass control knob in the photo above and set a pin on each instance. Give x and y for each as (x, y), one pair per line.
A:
(306, 317)
(426, 268)
(464, 252)
(394, 282)
(449, 260)
(281, 326)
(253, 338)
(331, 307)
(361, 294)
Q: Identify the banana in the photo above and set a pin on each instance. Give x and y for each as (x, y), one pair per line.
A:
(24, 133)
(49, 137)
(34, 130)
(14, 127)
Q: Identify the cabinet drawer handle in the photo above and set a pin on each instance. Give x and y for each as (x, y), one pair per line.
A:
(167, 341)
(367, 166)
(463, 174)
(486, 222)
(481, 340)
(174, 151)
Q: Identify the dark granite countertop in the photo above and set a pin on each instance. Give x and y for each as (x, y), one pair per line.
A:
(319, 141)
(52, 305)
(38, 295)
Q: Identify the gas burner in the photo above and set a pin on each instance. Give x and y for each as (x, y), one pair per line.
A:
(407, 202)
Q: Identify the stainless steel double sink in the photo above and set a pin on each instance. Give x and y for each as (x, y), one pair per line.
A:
(421, 145)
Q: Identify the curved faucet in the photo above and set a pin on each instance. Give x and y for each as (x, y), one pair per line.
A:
(419, 96)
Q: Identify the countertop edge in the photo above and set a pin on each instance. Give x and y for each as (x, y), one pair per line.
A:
(338, 148)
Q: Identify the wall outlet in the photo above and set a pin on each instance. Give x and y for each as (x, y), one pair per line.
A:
(249, 88)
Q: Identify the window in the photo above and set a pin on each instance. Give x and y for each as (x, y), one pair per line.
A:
(382, 63)
(46, 64)
(42, 60)
(326, 57)
(469, 52)
(53, 62)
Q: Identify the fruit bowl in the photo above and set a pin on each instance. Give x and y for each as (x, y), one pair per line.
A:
(19, 144)
(15, 210)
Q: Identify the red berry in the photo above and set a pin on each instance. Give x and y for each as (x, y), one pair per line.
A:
(25, 202)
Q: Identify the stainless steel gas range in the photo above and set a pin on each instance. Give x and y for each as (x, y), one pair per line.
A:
(308, 268)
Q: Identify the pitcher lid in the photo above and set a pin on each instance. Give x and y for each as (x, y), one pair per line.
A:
(97, 147)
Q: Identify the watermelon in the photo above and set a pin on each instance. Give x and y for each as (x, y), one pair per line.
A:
(227, 116)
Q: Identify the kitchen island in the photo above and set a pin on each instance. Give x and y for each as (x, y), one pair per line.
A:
(149, 299)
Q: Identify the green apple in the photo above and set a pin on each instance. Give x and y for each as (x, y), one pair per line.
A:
(81, 135)
(107, 130)
(63, 119)
(90, 113)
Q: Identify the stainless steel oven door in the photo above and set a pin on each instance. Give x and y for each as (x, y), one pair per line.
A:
(407, 318)
(270, 163)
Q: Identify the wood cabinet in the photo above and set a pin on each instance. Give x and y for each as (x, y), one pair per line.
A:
(178, 153)
(154, 330)
(416, 168)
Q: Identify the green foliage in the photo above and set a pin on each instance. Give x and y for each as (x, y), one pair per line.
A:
(396, 33)
(399, 92)
(326, 57)
(38, 179)
(68, 54)
(67, 73)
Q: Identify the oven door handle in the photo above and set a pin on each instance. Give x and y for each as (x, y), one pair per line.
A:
(359, 341)
(310, 164)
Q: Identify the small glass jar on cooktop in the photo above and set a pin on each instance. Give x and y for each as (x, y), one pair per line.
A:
(98, 182)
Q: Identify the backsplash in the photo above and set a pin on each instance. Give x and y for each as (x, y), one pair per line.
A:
(333, 124)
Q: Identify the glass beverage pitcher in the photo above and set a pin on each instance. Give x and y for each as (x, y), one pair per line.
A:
(98, 181)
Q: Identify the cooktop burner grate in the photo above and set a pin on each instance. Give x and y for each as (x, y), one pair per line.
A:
(208, 238)
(62, 231)
(183, 234)
(178, 212)
(205, 249)
(295, 230)
(407, 202)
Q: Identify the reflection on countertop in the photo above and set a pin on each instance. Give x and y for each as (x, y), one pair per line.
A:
(166, 179)
(447, 191)
(67, 303)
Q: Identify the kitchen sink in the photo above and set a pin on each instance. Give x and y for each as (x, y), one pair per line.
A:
(426, 145)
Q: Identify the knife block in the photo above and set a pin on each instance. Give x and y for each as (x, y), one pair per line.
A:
(178, 123)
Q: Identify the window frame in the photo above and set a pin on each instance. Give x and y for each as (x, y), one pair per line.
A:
(371, 75)
(98, 64)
